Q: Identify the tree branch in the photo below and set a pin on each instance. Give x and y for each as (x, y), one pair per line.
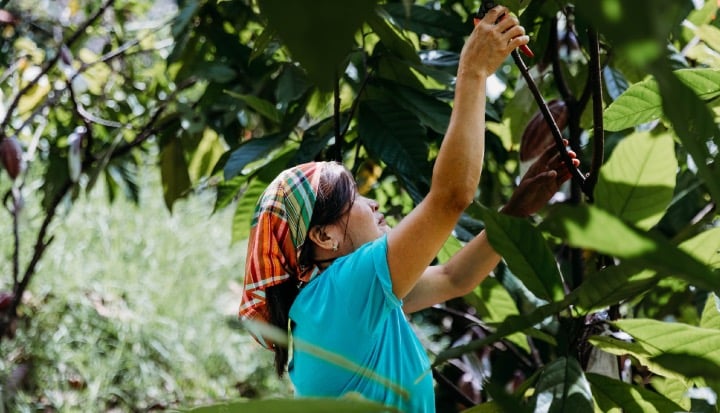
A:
(79, 32)
(557, 135)
(598, 129)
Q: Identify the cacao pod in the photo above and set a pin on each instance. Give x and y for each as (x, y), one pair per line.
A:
(6, 299)
(537, 135)
(11, 156)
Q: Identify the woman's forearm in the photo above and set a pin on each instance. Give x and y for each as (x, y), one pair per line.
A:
(471, 265)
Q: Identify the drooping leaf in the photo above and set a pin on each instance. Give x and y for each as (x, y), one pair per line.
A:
(694, 125)
(562, 387)
(245, 208)
(301, 405)
(391, 37)
(395, 136)
(206, 155)
(615, 394)
(689, 365)
(590, 227)
(174, 172)
(637, 183)
(705, 247)
(711, 313)
(511, 325)
(526, 253)
(612, 285)
(318, 33)
(659, 337)
(432, 112)
(674, 389)
(424, 20)
(250, 151)
(261, 106)
(615, 82)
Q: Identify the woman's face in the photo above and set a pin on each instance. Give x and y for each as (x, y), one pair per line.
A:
(364, 223)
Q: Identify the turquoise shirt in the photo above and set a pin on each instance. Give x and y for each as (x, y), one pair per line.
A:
(350, 310)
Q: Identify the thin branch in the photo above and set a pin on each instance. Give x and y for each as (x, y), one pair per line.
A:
(598, 129)
(80, 31)
(554, 48)
(557, 135)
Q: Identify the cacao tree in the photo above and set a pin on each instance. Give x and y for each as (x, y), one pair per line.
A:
(607, 300)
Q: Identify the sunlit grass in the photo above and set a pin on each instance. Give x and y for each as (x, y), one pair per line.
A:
(130, 308)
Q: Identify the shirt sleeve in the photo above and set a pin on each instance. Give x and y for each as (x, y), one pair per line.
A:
(363, 281)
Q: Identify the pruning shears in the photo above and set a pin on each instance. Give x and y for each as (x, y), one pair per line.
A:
(485, 7)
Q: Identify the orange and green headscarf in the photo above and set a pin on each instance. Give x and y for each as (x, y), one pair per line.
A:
(278, 231)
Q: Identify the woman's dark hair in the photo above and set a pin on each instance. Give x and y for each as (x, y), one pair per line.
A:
(335, 197)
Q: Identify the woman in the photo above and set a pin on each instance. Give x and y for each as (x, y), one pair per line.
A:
(323, 262)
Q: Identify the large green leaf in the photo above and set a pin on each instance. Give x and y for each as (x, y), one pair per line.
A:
(637, 182)
(705, 247)
(300, 405)
(425, 20)
(245, 208)
(562, 387)
(639, 104)
(614, 394)
(251, 151)
(511, 325)
(642, 102)
(395, 136)
(526, 253)
(393, 39)
(589, 227)
(174, 172)
(689, 365)
(261, 106)
(431, 111)
(318, 33)
(659, 337)
(612, 285)
(694, 125)
(711, 313)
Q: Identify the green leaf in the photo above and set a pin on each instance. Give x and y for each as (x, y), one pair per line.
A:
(424, 20)
(704, 82)
(612, 285)
(526, 253)
(227, 191)
(511, 325)
(615, 394)
(689, 365)
(637, 183)
(395, 136)
(174, 172)
(711, 313)
(299, 405)
(318, 33)
(261, 106)
(491, 301)
(251, 151)
(660, 337)
(694, 125)
(674, 389)
(615, 82)
(562, 387)
(206, 155)
(431, 111)
(705, 247)
(640, 103)
(592, 228)
(391, 37)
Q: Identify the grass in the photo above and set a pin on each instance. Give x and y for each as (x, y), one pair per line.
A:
(130, 310)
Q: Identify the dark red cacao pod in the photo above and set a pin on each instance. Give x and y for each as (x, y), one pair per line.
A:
(6, 299)
(11, 156)
(537, 135)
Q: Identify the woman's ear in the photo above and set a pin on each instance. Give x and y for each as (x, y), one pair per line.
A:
(318, 236)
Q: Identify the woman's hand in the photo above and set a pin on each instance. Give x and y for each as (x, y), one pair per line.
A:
(491, 42)
(540, 183)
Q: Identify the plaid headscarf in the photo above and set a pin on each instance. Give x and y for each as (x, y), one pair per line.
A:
(279, 228)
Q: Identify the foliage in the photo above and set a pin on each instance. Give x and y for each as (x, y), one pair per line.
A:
(104, 328)
(254, 87)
